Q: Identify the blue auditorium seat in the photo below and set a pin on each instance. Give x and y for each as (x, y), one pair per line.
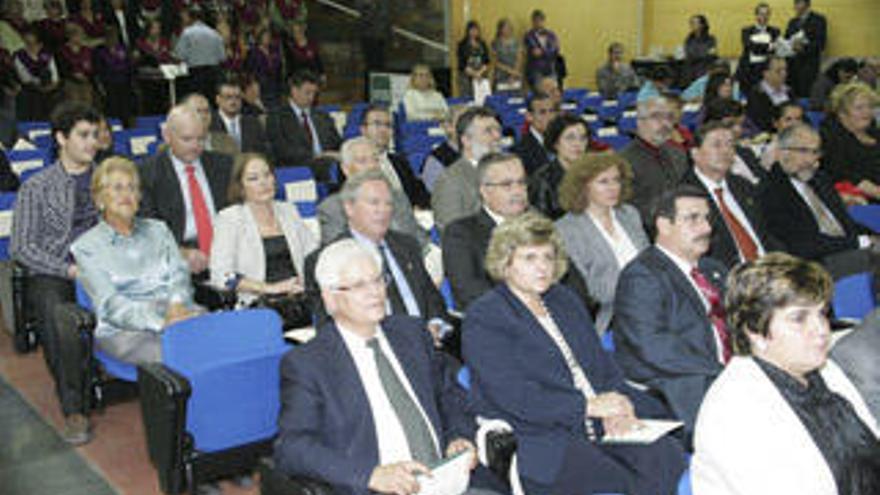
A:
(7, 206)
(22, 161)
(854, 296)
(867, 215)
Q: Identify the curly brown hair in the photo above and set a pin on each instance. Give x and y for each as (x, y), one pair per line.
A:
(573, 188)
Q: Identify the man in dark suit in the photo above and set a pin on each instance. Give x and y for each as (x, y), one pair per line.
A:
(298, 134)
(502, 182)
(805, 212)
(530, 148)
(757, 41)
(186, 186)
(368, 404)
(808, 31)
(738, 231)
(770, 92)
(669, 329)
(366, 198)
(246, 130)
(657, 165)
(376, 126)
(121, 13)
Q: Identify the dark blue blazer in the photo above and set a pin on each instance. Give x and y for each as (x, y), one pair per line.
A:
(518, 374)
(326, 429)
(662, 334)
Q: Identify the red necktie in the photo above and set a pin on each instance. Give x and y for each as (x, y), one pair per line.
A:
(200, 210)
(716, 311)
(308, 128)
(744, 241)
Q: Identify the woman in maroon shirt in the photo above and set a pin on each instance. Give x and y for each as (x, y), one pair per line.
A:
(264, 62)
(303, 53)
(152, 51)
(91, 22)
(76, 67)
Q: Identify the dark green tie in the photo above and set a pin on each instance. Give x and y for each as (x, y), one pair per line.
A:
(418, 434)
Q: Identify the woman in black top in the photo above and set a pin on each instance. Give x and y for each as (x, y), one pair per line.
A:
(473, 59)
(699, 48)
(567, 138)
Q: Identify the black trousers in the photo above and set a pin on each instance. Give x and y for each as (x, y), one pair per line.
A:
(62, 350)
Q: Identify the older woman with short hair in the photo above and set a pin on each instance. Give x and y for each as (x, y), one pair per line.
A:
(782, 418)
(536, 362)
(260, 244)
(131, 269)
(851, 139)
(421, 100)
(601, 233)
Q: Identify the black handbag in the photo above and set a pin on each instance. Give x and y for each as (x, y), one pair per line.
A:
(295, 310)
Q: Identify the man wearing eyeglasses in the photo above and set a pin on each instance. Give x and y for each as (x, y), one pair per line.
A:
(246, 130)
(657, 165)
(669, 328)
(530, 148)
(805, 212)
(368, 405)
(377, 127)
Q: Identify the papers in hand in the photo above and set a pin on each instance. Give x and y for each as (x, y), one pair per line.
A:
(450, 477)
(649, 432)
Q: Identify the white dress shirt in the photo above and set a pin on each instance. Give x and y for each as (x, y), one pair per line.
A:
(387, 169)
(316, 141)
(232, 126)
(621, 245)
(189, 230)
(393, 446)
(733, 206)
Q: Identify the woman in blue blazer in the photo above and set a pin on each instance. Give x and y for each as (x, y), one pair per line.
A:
(536, 362)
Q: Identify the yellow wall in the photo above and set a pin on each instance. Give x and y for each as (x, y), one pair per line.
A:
(586, 27)
(851, 23)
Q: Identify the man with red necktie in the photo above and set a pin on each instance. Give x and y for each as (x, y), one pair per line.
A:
(185, 186)
(669, 329)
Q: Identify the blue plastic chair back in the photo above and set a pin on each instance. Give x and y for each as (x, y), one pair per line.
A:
(22, 161)
(113, 367)
(151, 122)
(31, 130)
(867, 215)
(7, 208)
(232, 361)
(854, 296)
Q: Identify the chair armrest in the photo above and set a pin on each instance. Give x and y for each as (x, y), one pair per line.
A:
(213, 298)
(164, 394)
(274, 482)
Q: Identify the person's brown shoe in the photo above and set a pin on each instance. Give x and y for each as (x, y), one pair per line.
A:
(76, 430)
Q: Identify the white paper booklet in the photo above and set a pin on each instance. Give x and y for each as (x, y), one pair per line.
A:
(450, 477)
(649, 432)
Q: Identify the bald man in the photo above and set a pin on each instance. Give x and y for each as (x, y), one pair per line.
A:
(185, 186)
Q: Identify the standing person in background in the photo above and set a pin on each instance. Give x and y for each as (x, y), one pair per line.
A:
(699, 48)
(542, 51)
(75, 60)
(507, 58)
(201, 48)
(39, 79)
(473, 59)
(264, 61)
(300, 52)
(758, 42)
(153, 49)
(808, 32)
(53, 29)
(91, 22)
(115, 73)
(375, 32)
(616, 76)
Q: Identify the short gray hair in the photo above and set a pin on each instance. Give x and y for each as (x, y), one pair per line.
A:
(334, 259)
(788, 135)
(353, 184)
(177, 113)
(347, 148)
(645, 106)
(491, 159)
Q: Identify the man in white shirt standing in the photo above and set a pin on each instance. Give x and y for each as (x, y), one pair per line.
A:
(201, 48)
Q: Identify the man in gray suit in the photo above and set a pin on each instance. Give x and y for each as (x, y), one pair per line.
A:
(457, 190)
(657, 165)
(857, 354)
(358, 155)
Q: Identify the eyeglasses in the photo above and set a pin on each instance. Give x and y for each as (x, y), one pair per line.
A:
(804, 149)
(507, 184)
(380, 280)
(667, 116)
(693, 218)
(379, 123)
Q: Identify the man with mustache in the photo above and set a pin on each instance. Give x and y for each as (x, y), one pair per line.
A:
(669, 328)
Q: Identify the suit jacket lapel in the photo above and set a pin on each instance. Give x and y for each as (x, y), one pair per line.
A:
(682, 284)
(406, 266)
(413, 365)
(172, 189)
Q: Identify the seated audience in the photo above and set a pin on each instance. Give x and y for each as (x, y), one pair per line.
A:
(616, 76)
(757, 45)
(260, 244)
(106, 147)
(421, 101)
(856, 355)
(601, 233)
(503, 197)
(719, 86)
(738, 230)
(658, 83)
(359, 155)
(376, 125)
(784, 116)
(805, 212)
(843, 71)
(367, 200)
(540, 110)
(549, 85)
(52, 210)
(246, 131)
(681, 136)
(669, 329)
(657, 165)
(131, 269)
(506, 58)
(699, 88)
(536, 362)
(456, 192)
(91, 22)
(368, 404)
(771, 91)
(38, 75)
(299, 134)
(782, 417)
(215, 140)
(567, 138)
(185, 186)
(251, 103)
(446, 153)
(851, 140)
(746, 163)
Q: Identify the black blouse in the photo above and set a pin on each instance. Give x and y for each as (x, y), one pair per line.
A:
(848, 445)
(279, 265)
(845, 157)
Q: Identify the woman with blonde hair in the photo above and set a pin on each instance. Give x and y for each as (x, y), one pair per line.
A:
(421, 101)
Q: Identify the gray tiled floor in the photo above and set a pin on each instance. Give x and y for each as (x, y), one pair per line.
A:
(33, 458)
